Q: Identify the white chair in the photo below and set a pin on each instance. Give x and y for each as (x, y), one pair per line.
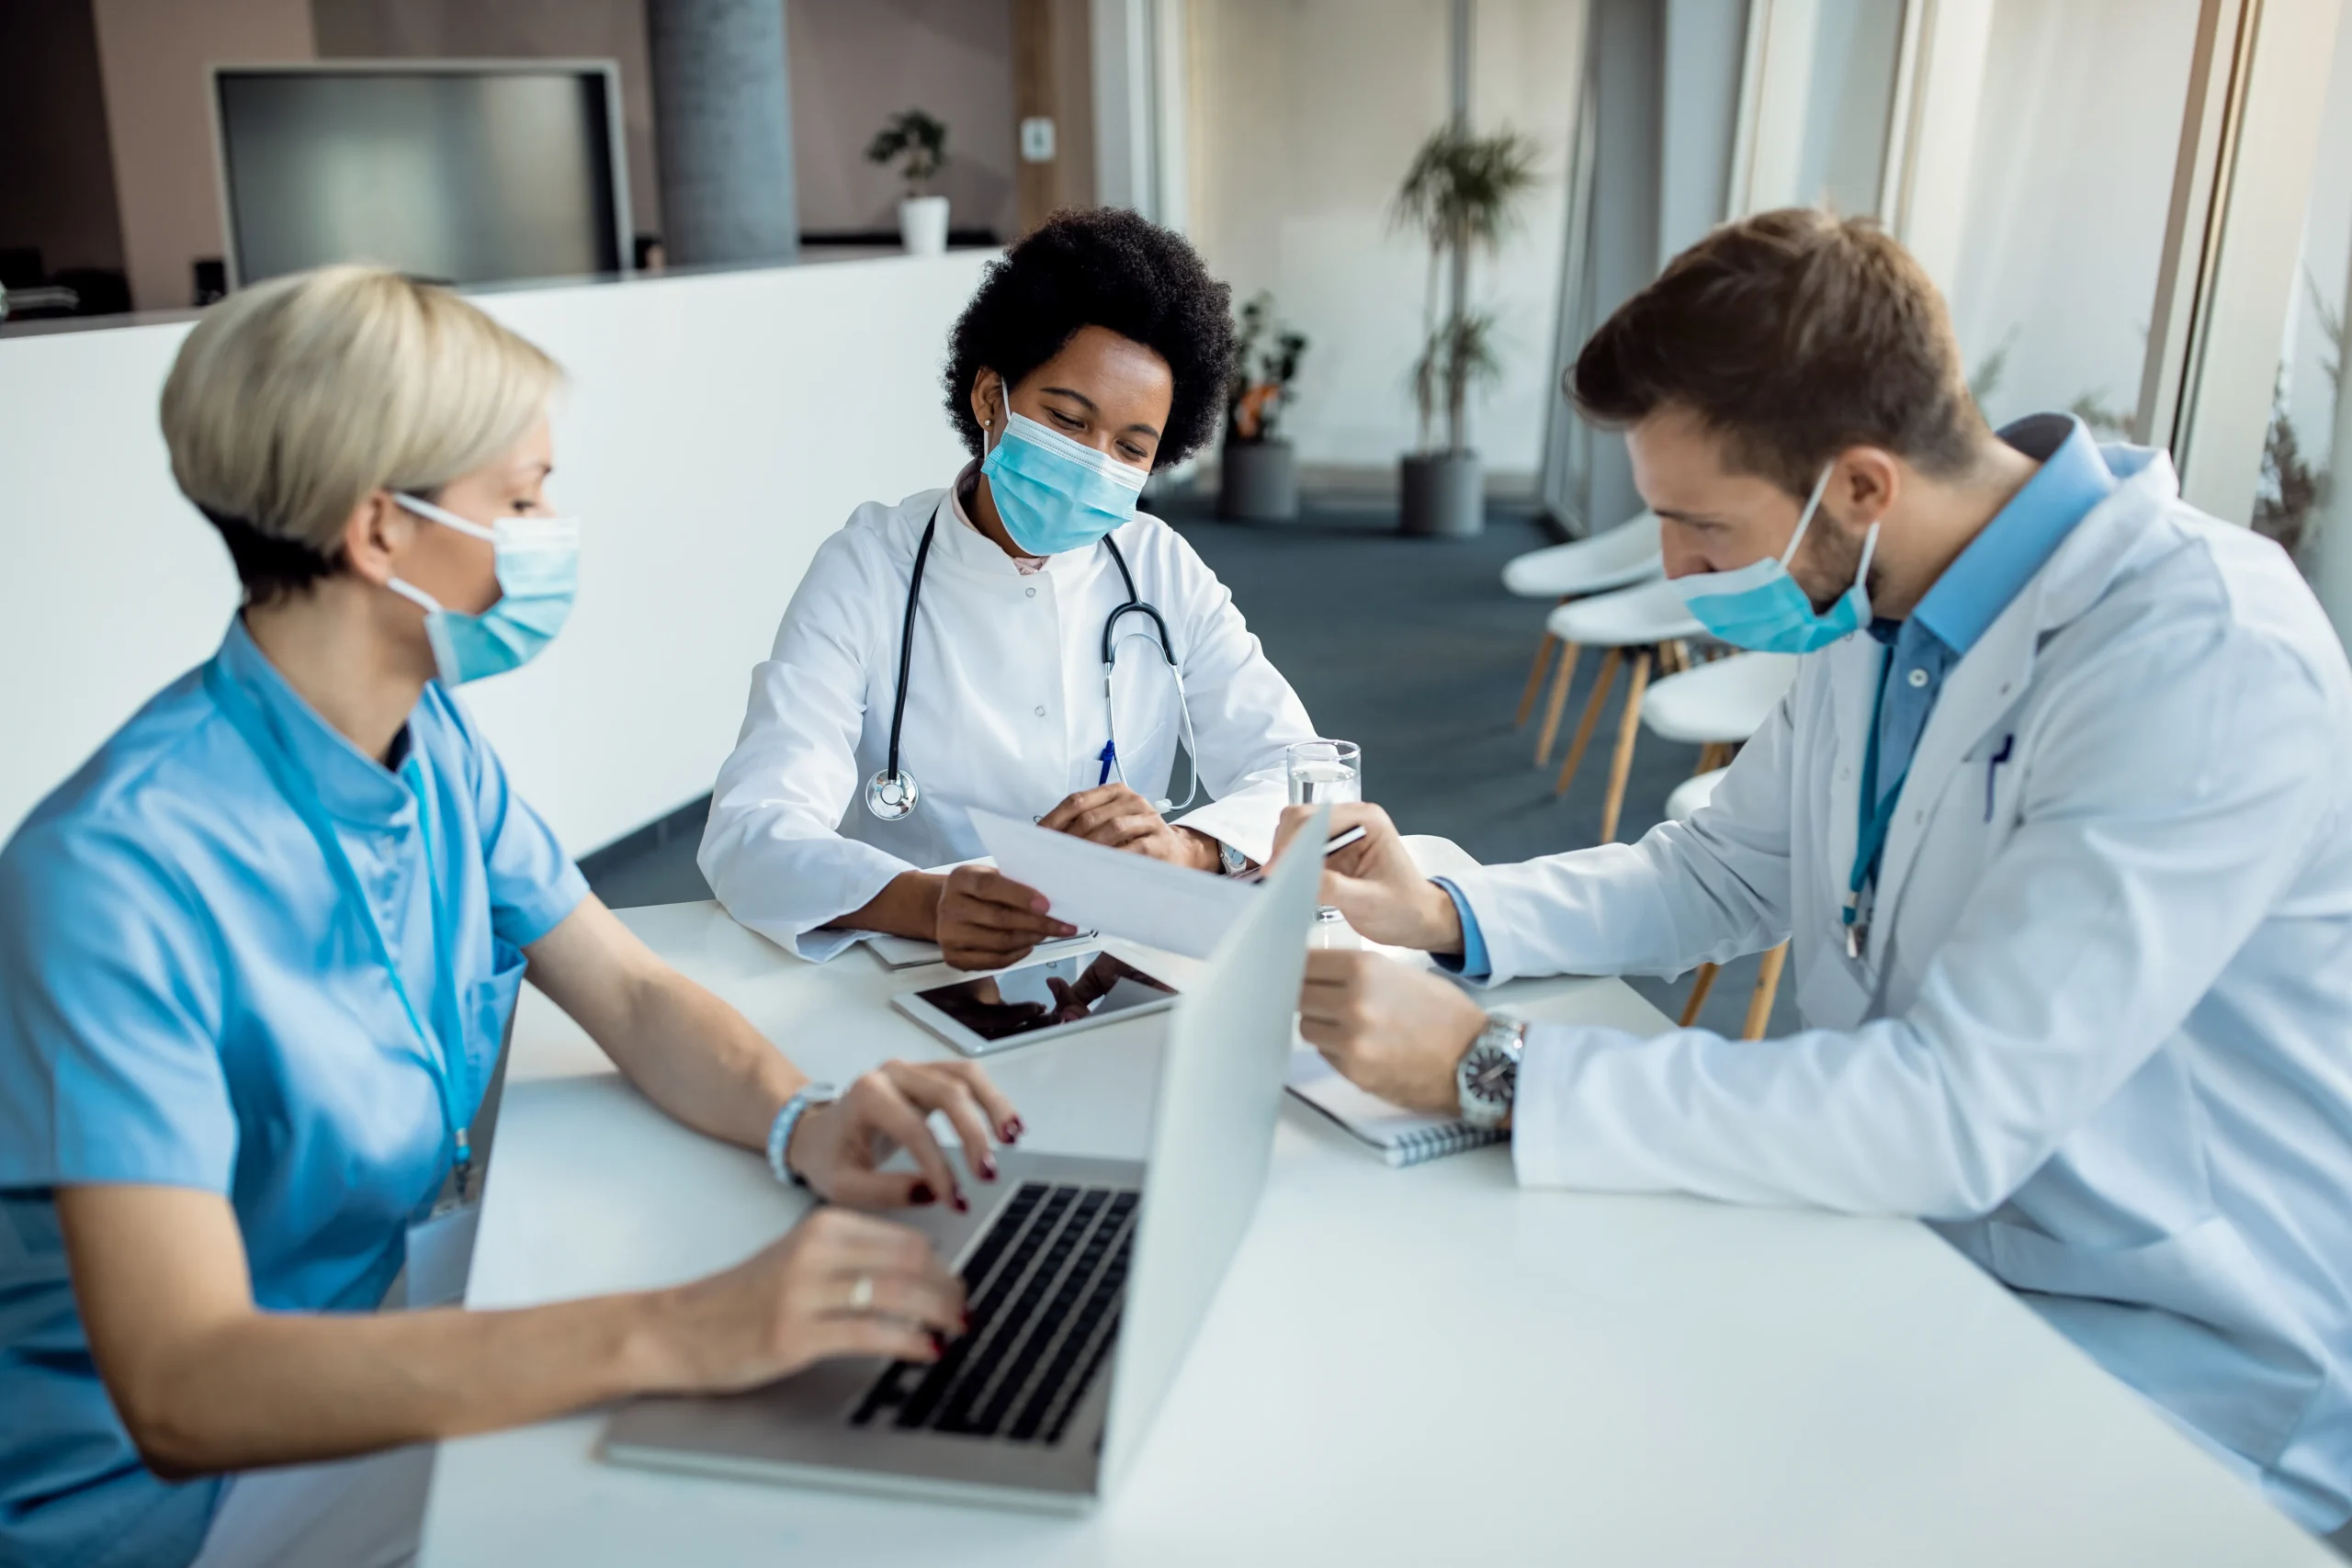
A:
(1637, 626)
(1717, 706)
(1620, 557)
(1688, 797)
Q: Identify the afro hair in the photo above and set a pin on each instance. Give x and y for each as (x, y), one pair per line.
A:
(1102, 267)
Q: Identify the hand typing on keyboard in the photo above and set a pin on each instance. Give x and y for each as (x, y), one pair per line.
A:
(839, 1284)
(1045, 1284)
(839, 1148)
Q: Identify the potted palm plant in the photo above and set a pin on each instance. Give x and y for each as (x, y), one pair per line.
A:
(1462, 193)
(918, 144)
(1258, 471)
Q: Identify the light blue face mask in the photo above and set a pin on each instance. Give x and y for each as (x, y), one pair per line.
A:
(538, 572)
(1053, 493)
(1761, 607)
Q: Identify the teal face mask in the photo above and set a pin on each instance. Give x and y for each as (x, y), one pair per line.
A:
(1053, 493)
(1761, 608)
(538, 572)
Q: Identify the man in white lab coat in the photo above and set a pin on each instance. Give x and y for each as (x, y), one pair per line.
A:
(2054, 818)
(1023, 640)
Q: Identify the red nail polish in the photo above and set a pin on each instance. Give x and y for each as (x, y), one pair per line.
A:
(958, 1203)
(987, 1168)
(938, 1343)
(921, 1193)
(1011, 1131)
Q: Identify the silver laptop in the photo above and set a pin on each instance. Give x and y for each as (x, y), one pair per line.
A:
(1086, 1279)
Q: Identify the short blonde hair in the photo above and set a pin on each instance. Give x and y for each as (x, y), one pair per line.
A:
(293, 401)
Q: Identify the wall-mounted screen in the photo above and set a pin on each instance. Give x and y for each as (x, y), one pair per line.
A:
(462, 172)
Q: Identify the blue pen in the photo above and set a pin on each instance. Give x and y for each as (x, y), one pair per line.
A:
(1109, 755)
(2008, 744)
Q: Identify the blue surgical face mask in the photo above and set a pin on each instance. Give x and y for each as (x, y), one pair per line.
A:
(538, 571)
(1053, 493)
(1759, 607)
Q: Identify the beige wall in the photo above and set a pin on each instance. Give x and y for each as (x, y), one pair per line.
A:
(854, 62)
(515, 29)
(1303, 116)
(152, 55)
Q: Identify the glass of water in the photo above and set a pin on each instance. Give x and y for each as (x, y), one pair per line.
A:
(1323, 771)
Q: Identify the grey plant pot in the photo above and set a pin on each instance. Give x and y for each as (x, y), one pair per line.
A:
(1258, 481)
(1440, 495)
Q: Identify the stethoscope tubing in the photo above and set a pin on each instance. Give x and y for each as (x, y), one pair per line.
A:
(1133, 604)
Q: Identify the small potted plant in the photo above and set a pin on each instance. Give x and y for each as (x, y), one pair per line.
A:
(918, 144)
(1462, 193)
(1258, 471)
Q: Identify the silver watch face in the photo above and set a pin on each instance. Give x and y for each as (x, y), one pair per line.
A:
(1488, 1080)
(1490, 1075)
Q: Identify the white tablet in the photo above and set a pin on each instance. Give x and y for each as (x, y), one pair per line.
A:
(1043, 999)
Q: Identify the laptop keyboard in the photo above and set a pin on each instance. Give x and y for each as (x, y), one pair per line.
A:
(1043, 1289)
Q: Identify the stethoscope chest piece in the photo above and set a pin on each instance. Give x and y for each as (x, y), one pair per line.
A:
(892, 797)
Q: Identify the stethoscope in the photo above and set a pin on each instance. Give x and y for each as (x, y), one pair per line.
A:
(892, 795)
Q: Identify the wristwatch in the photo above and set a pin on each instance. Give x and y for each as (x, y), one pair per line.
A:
(780, 1130)
(1486, 1080)
(1233, 860)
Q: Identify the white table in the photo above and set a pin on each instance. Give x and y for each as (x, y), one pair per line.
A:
(1424, 1367)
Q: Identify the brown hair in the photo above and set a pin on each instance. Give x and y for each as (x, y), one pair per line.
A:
(1793, 334)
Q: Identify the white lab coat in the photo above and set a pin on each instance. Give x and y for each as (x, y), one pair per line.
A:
(1006, 711)
(2102, 1033)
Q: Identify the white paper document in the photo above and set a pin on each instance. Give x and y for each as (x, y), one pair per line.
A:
(1118, 893)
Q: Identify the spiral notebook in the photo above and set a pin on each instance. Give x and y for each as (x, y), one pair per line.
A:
(1401, 1138)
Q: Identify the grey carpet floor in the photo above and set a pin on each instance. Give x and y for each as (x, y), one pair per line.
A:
(1411, 649)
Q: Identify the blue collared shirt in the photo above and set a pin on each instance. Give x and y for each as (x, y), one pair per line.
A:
(1979, 585)
(186, 1001)
(1950, 617)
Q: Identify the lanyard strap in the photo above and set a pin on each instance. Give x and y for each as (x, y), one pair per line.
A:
(443, 1067)
(1875, 815)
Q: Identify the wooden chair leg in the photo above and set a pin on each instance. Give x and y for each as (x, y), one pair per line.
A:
(1560, 679)
(1701, 984)
(1768, 981)
(1629, 727)
(1535, 678)
(1710, 757)
(1600, 685)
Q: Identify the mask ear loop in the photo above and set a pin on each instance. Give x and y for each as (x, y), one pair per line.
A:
(1804, 519)
(988, 438)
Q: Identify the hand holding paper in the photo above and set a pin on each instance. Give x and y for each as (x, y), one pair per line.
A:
(1118, 893)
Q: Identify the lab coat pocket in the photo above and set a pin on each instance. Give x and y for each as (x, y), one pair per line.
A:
(1143, 717)
(2188, 1321)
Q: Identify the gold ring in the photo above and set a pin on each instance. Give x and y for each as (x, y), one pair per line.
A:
(861, 1293)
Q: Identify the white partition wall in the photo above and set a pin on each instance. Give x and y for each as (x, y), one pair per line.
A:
(717, 429)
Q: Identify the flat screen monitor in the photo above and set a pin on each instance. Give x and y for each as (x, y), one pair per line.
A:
(462, 172)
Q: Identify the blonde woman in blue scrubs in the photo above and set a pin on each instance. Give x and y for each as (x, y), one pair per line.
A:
(255, 960)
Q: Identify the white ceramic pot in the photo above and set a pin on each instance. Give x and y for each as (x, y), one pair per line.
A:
(923, 225)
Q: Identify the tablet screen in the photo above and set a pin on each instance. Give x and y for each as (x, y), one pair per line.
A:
(1047, 995)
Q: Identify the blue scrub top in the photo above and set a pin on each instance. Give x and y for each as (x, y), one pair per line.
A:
(186, 1000)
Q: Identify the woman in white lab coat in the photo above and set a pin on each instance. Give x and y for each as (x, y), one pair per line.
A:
(1095, 352)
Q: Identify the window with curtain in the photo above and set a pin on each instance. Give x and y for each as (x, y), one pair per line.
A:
(2068, 183)
(1303, 117)
(2301, 500)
